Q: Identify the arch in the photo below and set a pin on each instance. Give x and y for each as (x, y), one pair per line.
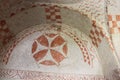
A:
(93, 33)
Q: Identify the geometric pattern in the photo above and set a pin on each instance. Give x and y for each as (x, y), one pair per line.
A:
(36, 75)
(83, 48)
(114, 23)
(38, 47)
(53, 14)
(96, 34)
(49, 49)
(5, 34)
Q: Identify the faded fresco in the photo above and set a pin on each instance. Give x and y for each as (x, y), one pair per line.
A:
(59, 39)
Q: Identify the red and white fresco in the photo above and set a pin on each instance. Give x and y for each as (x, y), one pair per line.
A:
(53, 14)
(96, 34)
(88, 50)
(5, 34)
(50, 42)
(31, 75)
(114, 28)
(114, 23)
(45, 49)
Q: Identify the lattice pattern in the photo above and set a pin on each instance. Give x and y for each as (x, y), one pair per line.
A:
(53, 14)
(114, 23)
(96, 34)
(5, 34)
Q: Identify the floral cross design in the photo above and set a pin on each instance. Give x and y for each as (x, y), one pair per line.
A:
(49, 49)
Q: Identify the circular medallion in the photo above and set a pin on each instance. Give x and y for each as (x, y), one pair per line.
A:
(50, 53)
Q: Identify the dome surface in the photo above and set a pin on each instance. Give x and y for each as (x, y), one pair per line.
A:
(52, 48)
(56, 40)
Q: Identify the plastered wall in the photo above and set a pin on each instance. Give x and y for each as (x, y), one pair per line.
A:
(97, 19)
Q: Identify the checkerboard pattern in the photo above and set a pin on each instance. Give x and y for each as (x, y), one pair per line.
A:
(5, 34)
(114, 23)
(96, 34)
(53, 14)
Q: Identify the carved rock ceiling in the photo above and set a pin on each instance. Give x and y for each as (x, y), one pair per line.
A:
(57, 1)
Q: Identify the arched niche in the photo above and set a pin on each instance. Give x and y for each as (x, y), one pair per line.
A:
(56, 16)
